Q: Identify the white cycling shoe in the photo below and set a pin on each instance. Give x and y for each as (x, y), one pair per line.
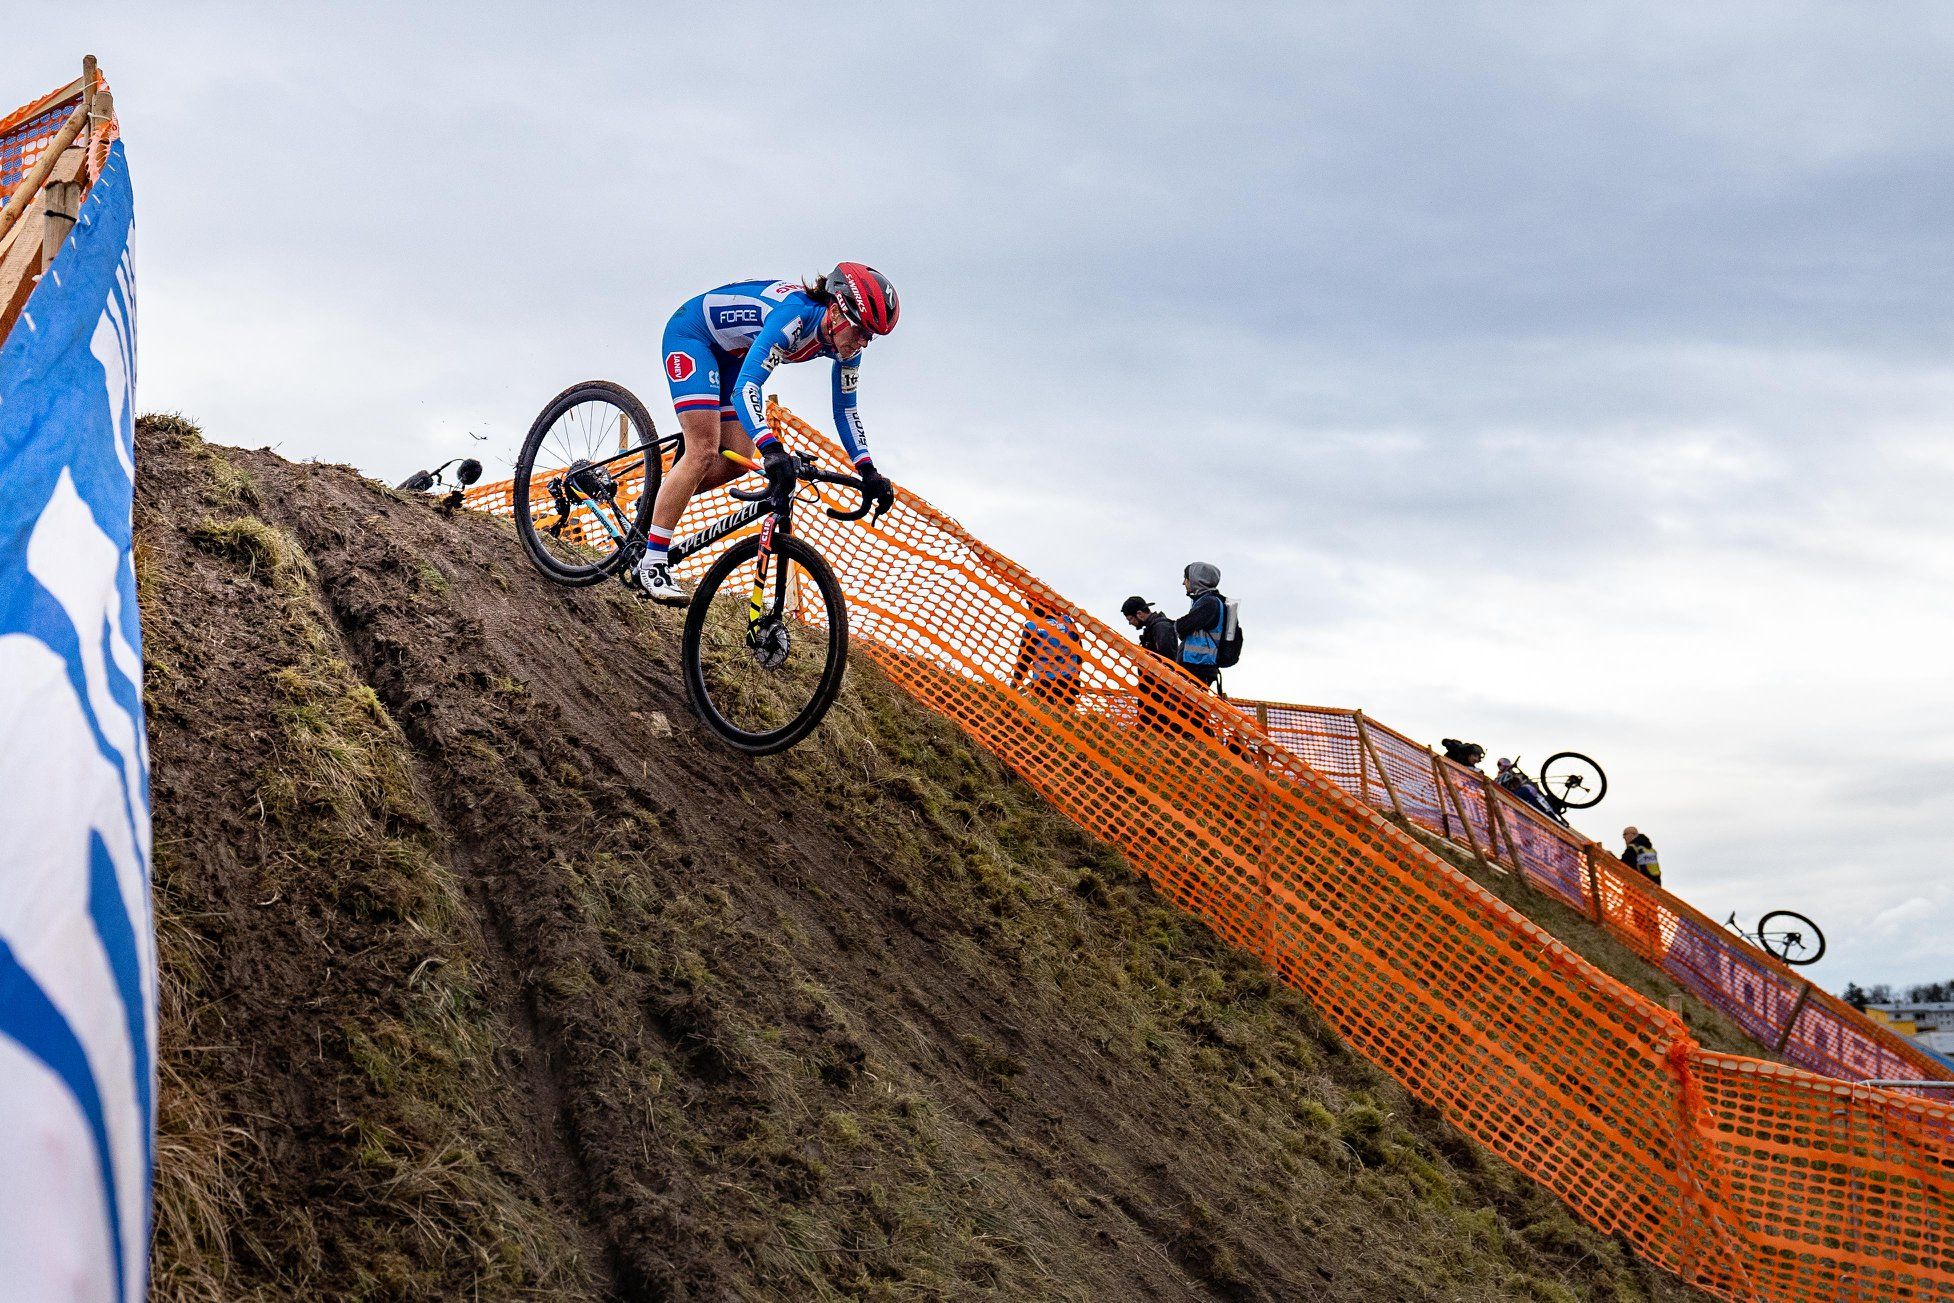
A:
(654, 580)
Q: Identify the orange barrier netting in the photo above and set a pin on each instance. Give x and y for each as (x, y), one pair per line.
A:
(26, 133)
(1749, 1179)
(1778, 1008)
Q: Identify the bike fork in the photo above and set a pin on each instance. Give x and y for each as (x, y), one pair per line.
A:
(756, 603)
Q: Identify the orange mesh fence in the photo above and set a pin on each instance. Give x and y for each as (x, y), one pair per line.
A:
(26, 133)
(1389, 771)
(1754, 1180)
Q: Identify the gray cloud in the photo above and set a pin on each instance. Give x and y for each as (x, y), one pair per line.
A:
(1553, 376)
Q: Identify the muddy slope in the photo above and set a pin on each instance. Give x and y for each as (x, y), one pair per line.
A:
(487, 975)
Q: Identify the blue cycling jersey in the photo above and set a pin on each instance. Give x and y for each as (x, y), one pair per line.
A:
(721, 346)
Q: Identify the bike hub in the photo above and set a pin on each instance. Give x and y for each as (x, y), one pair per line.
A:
(770, 643)
(590, 481)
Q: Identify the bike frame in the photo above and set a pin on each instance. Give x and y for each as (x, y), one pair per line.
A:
(777, 516)
(681, 548)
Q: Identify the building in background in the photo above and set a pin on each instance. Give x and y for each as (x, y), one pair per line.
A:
(1928, 1024)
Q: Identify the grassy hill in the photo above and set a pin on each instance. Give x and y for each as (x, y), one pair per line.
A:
(487, 974)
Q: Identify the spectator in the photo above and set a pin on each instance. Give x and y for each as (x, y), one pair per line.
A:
(1048, 656)
(1157, 632)
(1469, 754)
(1157, 636)
(1638, 853)
(1200, 629)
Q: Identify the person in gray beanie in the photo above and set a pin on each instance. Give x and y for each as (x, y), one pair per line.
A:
(1201, 628)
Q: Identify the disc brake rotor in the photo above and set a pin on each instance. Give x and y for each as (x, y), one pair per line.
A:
(769, 642)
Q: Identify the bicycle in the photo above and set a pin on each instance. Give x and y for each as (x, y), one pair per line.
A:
(1568, 781)
(766, 636)
(1796, 939)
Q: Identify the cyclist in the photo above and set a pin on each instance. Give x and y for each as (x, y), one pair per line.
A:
(1515, 781)
(720, 347)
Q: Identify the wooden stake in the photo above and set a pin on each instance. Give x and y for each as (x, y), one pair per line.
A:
(88, 101)
(1594, 881)
(61, 202)
(1497, 824)
(623, 431)
(30, 189)
(101, 112)
(1784, 1037)
(1472, 838)
(1370, 747)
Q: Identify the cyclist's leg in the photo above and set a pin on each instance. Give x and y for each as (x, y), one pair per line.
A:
(731, 433)
(693, 369)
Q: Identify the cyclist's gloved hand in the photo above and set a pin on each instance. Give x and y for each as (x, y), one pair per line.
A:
(780, 468)
(876, 489)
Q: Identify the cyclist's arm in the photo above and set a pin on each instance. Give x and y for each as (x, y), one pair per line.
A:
(1202, 617)
(848, 420)
(769, 346)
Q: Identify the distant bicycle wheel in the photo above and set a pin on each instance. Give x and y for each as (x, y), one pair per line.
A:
(1573, 781)
(592, 457)
(764, 652)
(1791, 937)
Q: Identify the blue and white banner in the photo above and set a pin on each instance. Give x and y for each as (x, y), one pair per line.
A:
(77, 947)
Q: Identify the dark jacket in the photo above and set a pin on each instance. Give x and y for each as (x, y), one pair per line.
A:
(1159, 636)
(1199, 629)
(1640, 855)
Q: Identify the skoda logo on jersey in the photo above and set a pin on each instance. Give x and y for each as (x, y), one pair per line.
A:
(680, 366)
(732, 318)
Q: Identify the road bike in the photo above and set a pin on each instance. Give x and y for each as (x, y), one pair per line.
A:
(1791, 937)
(766, 635)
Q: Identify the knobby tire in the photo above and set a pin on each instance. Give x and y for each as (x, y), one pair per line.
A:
(553, 565)
(787, 549)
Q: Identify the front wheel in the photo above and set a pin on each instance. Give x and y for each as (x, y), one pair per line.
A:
(1572, 781)
(1791, 937)
(766, 644)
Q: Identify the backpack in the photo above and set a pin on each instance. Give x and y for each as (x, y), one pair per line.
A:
(1228, 638)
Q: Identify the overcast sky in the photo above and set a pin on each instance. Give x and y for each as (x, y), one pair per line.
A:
(1554, 377)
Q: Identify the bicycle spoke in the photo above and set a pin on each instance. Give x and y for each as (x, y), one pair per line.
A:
(761, 663)
(762, 676)
(584, 494)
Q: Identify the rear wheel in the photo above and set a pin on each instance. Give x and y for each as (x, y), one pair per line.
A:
(764, 653)
(1572, 781)
(1791, 937)
(585, 481)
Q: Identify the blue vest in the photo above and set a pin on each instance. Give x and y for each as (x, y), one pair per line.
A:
(1054, 648)
(1200, 647)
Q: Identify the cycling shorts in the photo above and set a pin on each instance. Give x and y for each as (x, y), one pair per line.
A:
(701, 375)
